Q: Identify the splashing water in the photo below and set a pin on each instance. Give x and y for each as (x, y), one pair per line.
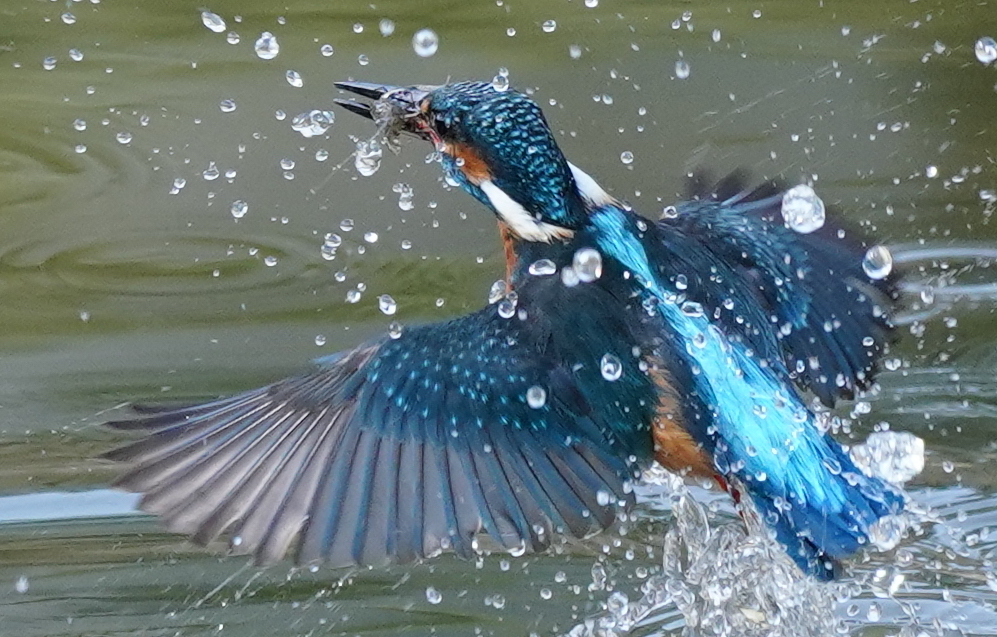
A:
(731, 579)
(725, 581)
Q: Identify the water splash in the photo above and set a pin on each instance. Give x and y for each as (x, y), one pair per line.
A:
(724, 579)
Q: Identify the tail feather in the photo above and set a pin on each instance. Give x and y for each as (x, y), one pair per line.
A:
(817, 536)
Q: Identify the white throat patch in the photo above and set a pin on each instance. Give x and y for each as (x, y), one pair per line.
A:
(519, 220)
(589, 189)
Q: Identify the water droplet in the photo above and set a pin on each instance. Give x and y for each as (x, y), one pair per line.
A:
(320, 340)
(405, 196)
(693, 309)
(802, 209)
(49, 63)
(294, 79)
(931, 172)
(68, 18)
(681, 282)
(500, 83)
(611, 367)
(587, 264)
(545, 593)
(80, 124)
(986, 50)
(358, 27)
(368, 157)
(433, 596)
(233, 38)
(211, 173)
(627, 157)
(511, 32)
(591, 4)
(353, 296)
(346, 225)
(21, 585)
(574, 51)
(76, 55)
(386, 304)
(716, 35)
(875, 613)
(123, 137)
(386, 27)
(506, 307)
(395, 330)
(497, 291)
(425, 43)
(543, 267)
(213, 21)
(894, 456)
(682, 69)
(312, 123)
(878, 262)
(549, 26)
(266, 46)
(326, 50)
(536, 396)
(370, 237)
(227, 106)
(569, 277)
(239, 209)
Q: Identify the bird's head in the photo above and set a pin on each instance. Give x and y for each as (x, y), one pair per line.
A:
(496, 144)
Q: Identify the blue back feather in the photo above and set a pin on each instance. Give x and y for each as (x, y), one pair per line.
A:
(759, 430)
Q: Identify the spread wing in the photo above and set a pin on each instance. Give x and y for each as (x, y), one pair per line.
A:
(800, 301)
(393, 451)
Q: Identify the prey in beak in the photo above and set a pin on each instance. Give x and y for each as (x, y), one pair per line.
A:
(395, 109)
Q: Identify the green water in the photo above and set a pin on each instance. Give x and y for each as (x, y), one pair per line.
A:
(115, 290)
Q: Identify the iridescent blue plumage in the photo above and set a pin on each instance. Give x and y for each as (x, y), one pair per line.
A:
(692, 341)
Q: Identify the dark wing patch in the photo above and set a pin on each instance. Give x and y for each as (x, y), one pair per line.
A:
(800, 301)
(392, 452)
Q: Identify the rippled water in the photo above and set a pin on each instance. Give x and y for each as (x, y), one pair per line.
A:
(131, 131)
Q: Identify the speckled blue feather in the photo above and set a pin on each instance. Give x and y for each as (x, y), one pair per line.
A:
(405, 447)
(510, 133)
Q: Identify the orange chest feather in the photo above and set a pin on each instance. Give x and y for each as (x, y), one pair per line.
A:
(511, 260)
(471, 163)
(674, 447)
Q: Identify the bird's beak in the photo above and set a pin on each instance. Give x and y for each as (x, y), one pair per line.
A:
(395, 108)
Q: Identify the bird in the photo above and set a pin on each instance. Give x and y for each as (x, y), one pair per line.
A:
(704, 341)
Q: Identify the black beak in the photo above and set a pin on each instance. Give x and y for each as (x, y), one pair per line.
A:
(363, 89)
(392, 105)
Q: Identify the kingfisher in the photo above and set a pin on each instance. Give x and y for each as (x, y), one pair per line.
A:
(704, 341)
